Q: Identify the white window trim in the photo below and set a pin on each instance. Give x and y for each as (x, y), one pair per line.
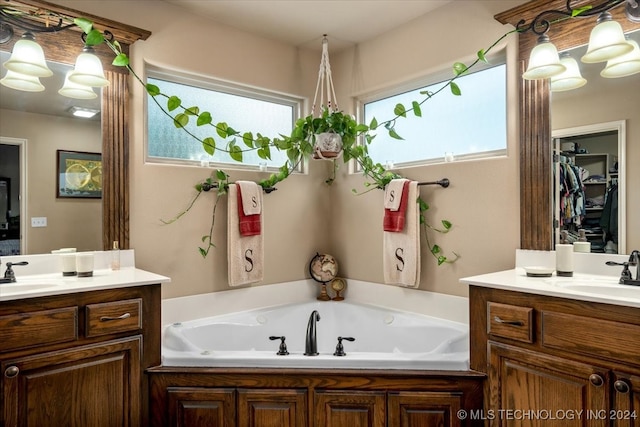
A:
(207, 82)
(499, 57)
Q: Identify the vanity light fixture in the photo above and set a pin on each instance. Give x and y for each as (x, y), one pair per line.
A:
(624, 65)
(75, 90)
(21, 82)
(544, 61)
(88, 70)
(606, 43)
(571, 78)
(85, 113)
(27, 57)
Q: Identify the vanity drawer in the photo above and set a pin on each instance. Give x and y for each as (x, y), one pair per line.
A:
(590, 336)
(37, 328)
(113, 317)
(510, 321)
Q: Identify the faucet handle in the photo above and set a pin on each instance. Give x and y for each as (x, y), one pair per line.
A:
(340, 348)
(9, 274)
(282, 351)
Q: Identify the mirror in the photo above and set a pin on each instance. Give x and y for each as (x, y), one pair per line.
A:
(64, 47)
(595, 140)
(536, 207)
(43, 122)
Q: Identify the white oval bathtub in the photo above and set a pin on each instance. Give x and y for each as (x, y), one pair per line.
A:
(384, 339)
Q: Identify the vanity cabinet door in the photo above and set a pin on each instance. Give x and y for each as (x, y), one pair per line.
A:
(349, 408)
(202, 407)
(418, 409)
(272, 408)
(94, 385)
(525, 387)
(626, 400)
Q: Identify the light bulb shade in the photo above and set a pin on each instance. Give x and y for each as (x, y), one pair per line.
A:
(570, 79)
(88, 70)
(76, 91)
(22, 82)
(544, 61)
(606, 41)
(27, 58)
(624, 65)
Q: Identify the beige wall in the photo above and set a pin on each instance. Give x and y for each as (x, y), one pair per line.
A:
(482, 201)
(586, 106)
(70, 222)
(305, 216)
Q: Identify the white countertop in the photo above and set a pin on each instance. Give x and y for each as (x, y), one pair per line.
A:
(42, 277)
(41, 285)
(584, 287)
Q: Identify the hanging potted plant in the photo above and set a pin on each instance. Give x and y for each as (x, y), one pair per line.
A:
(328, 134)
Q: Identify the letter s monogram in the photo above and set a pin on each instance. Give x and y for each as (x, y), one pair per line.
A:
(254, 202)
(249, 265)
(399, 253)
(391, 195)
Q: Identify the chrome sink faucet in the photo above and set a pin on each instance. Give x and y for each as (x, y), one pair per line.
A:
(311, 343)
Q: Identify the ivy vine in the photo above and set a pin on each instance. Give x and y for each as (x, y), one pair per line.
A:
(299, 145)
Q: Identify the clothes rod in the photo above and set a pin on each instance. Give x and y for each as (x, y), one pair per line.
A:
(208, 187)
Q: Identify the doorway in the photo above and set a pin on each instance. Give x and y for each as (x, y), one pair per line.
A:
(13, 211)
(589, 186)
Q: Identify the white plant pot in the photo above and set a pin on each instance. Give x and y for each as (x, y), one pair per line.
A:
(328, 145)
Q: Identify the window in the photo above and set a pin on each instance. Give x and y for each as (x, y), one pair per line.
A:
(471, 125)
(244, 109)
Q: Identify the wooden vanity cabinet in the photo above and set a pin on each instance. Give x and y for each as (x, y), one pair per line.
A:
(220, 397)
(554, 361)
(79, 359)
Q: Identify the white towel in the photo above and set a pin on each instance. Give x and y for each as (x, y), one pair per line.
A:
(393, 194)
(401, 250)
(251, 194)
(245, 254)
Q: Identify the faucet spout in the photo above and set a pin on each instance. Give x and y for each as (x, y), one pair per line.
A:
(634, 260)
(310, 343)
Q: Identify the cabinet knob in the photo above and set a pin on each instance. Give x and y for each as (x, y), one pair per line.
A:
(596, 380)
(621, 386)
(11, 371)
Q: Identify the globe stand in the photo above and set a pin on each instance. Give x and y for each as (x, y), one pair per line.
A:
(322, 275)
(324, 296)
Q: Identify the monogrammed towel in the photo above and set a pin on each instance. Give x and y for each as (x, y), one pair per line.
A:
(401, 249)
(249, 208)
(245, 254)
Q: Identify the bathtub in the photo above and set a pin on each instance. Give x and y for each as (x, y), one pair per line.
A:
(384, 339)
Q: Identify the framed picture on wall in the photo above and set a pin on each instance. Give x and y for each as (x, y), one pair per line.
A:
(79, 174)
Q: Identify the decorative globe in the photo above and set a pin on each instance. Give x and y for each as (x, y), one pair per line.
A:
(323, 268)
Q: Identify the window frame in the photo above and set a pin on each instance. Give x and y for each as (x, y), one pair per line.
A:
(297, 103)
(441, 75)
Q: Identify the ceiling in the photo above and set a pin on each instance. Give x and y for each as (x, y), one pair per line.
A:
(302, 23)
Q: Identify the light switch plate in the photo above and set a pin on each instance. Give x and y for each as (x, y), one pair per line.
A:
(40, 221)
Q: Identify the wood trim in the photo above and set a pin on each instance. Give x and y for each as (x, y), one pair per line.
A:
(115, 159)
(536, 229)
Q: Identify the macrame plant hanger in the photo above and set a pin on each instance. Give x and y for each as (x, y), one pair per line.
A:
(324, 78)
(325, 84)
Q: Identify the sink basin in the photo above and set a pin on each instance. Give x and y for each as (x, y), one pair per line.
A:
(624, 291)
(16, 288)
